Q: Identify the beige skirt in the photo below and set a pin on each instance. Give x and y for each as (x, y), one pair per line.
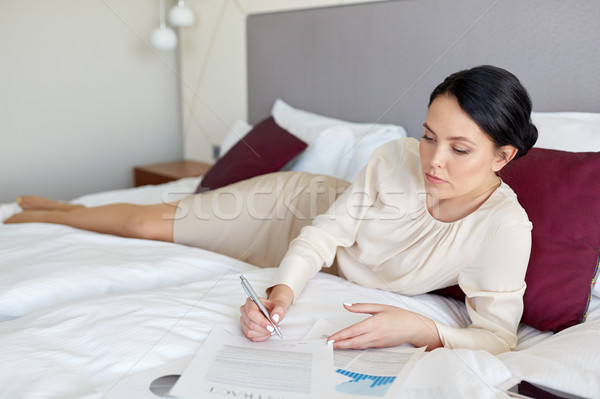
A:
(256, 219)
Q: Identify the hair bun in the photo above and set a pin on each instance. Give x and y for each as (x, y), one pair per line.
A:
(531, 138)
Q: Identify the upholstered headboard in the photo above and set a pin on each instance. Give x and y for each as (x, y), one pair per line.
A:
(378, 62)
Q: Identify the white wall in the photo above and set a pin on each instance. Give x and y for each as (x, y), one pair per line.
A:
(82, 98)
(213, 65)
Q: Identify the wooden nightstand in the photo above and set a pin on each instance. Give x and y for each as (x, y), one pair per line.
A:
(165, 172)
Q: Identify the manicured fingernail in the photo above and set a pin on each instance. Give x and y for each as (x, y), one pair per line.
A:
(270, 329)
(330, 342)
(347, 304)
(275, 318)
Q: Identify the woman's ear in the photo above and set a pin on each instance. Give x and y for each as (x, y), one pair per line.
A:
(505, 154)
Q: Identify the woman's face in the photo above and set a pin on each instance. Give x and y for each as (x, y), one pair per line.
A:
(457, 158)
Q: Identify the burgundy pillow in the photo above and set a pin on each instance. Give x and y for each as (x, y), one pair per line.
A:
(561, 193)
(266, 148)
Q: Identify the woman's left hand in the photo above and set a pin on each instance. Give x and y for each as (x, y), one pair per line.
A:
(388, 326)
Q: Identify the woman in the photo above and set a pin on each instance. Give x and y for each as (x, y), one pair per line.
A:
(428, 215)
(420, 216)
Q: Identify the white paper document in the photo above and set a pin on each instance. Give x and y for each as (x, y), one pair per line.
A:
(369, 373)
(373, 373)
(231, 366)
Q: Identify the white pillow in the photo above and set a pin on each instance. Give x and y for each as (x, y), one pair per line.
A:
(335, 147)
(239, 129)
(568, 131)
(334, 143)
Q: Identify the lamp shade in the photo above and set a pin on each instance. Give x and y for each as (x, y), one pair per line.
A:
(181, 16)
(163, 38)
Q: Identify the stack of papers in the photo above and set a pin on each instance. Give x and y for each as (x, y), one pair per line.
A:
(229, 365)
(232, 366)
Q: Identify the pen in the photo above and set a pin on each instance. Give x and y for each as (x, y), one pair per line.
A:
(252, 295)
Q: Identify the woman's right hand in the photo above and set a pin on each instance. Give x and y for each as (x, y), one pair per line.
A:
(254, 324)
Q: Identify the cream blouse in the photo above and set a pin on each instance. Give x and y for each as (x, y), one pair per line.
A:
(383, 236)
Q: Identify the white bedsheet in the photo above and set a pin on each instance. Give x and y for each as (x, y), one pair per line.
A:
(44, 264)
(83, 310)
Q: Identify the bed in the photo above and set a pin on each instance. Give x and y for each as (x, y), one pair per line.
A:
(81, 312)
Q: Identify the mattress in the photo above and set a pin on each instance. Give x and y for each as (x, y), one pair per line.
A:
(81, 311)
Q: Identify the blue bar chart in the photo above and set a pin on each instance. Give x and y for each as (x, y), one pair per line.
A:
(364, 384)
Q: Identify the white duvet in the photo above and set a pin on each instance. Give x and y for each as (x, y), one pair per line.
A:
(81, 311)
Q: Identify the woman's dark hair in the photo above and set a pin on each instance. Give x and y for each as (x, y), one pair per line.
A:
(498, 103)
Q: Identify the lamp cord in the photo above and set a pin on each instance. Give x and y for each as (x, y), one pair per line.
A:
(161, 13)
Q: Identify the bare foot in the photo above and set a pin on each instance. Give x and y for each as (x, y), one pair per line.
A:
(32, 202)
(27, 217)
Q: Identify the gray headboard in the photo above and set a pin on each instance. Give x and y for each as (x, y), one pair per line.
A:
(378, 62)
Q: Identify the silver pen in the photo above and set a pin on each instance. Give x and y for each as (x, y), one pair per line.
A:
(252, 295)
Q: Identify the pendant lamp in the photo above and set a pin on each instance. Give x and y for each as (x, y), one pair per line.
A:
(163, 37)
(181, 16)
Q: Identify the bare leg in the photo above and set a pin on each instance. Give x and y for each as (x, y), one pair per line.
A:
(32, 202)
(153, 222)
